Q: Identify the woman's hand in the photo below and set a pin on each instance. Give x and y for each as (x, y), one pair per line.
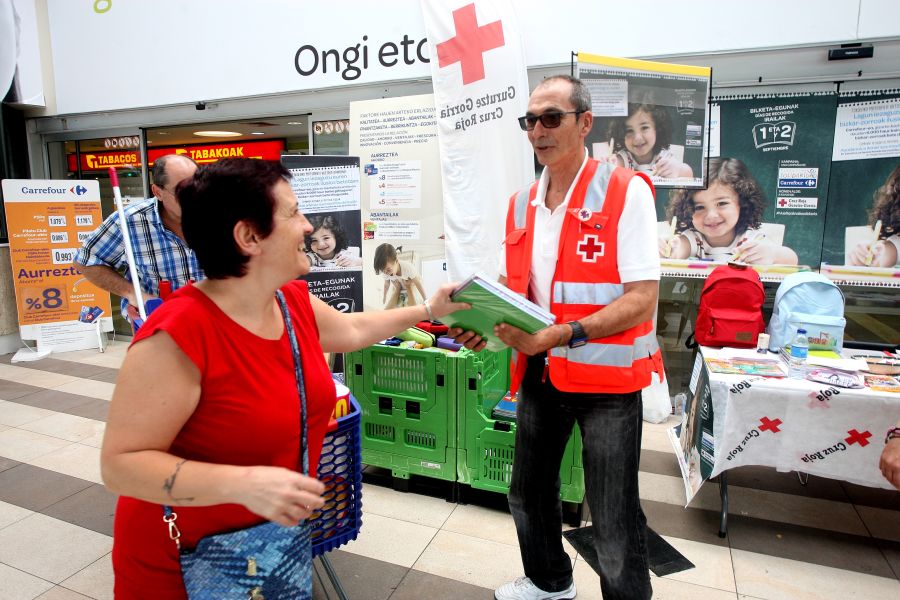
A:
(280, 495)
(441, 304)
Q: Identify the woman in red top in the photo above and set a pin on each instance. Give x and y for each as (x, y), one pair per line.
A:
(205, 415)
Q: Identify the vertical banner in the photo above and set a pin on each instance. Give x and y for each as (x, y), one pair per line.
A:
(48, 221)
(649, 116)
(327, 188)
(694, 439)
(785, 141)
(480, 89)
(862, 228)
(403, 225)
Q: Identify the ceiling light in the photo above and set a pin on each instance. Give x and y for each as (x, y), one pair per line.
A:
(215, 133)
(257, 133)
(295, 123)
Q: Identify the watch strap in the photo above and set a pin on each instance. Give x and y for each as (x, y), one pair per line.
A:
(892, 433)
(579, 336)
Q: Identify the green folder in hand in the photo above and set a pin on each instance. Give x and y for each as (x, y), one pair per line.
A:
(493, 304)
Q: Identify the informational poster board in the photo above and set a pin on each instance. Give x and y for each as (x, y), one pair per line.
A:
(48, 221)
(694, 438)
(402, 207)
(649, 116)
(864, 191)
(785, 141)
(327, 188)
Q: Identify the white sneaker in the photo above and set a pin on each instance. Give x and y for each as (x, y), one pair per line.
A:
(523, 589)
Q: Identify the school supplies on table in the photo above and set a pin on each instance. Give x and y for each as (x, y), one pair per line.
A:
(810, 301)
(764, 367)
(844, 379)
(882, 383)
(493, 304)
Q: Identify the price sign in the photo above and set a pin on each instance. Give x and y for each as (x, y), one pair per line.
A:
(48, 221)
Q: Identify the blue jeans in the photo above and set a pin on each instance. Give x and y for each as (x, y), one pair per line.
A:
(611, 429)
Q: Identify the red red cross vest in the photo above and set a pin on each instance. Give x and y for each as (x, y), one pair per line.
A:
(586, 279)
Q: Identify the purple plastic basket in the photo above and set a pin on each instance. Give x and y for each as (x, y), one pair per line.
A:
(340, 469)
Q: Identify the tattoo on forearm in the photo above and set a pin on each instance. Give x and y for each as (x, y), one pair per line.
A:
(170, 483)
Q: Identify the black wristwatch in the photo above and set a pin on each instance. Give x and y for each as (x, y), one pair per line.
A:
(579, 337)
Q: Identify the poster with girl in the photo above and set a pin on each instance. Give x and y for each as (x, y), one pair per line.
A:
(649, 117)
(862, 228)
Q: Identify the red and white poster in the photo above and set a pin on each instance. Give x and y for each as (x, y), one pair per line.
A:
(480, 89)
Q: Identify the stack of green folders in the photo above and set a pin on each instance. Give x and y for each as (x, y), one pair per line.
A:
(493, 304)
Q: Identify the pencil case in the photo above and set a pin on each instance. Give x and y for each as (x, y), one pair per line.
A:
(434, 327)
(420, 336)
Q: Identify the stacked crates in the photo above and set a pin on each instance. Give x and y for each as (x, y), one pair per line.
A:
(487, 446)
(408, 402)
(426, 412)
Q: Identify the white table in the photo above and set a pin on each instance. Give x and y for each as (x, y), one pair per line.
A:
(788, 424)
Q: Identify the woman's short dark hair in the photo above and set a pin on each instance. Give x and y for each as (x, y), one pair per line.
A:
(219, 196)
(341, 242)
(662, 123)
(384, 254)
(731, 172)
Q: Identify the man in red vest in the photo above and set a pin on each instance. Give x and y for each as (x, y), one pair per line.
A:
(579, 242)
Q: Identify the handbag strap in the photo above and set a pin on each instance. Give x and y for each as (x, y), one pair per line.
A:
(169, 515)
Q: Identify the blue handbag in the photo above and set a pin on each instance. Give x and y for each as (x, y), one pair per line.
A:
(263, 562)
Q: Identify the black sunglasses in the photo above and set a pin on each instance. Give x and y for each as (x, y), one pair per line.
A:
(550, 119)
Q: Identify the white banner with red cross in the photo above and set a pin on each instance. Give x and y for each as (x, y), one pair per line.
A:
(480, 89)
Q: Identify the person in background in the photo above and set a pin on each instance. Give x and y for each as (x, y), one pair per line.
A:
(885, 250)
(890, 456)
(154, 226)
(400, 278)
(580, 243)
(217, 436)
(642, 140)
(723, 221)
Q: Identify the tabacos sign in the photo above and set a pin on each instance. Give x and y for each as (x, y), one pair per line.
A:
(265, 150)
(100, 161)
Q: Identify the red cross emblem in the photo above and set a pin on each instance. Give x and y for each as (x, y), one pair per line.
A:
(470, 43)
(858, 438)
(766, 424)
(589, 248)
(782, 203)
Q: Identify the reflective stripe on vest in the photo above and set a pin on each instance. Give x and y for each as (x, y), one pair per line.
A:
(610, 355)
(568, 292)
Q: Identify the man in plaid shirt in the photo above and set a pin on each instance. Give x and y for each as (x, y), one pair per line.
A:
(154, 226)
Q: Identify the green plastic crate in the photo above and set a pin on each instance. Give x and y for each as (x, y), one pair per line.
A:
(486, 447)
(408, 403)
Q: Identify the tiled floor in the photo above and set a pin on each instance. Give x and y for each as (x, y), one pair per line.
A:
(826, 540)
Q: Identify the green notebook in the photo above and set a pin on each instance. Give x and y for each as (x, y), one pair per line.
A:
(492, 304)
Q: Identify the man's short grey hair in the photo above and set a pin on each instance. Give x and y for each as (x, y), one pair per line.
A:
(159, 175)
(580, 97)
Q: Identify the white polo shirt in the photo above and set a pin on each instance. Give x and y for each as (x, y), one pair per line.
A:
(637, 249)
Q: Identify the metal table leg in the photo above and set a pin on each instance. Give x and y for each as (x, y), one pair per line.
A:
(332, 576)
(723, 494)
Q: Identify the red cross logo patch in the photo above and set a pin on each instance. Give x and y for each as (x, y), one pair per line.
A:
(589, 248)
(470, 44)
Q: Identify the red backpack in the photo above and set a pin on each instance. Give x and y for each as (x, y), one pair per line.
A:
(730, 308)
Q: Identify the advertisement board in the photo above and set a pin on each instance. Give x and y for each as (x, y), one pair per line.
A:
(48, 221)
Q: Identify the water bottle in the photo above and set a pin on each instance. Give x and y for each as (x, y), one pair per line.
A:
(799, 352)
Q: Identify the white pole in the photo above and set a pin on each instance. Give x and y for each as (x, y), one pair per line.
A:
(129, 254)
